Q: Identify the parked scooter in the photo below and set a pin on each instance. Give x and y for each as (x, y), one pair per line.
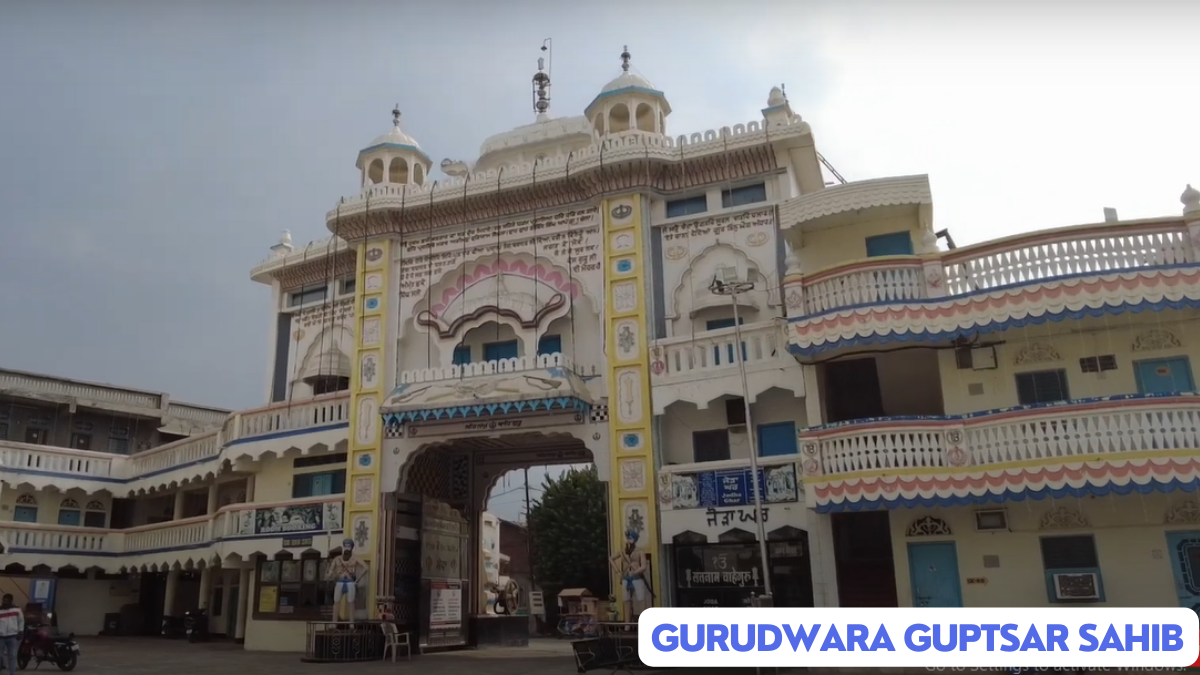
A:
(39, 646)
(195, 624)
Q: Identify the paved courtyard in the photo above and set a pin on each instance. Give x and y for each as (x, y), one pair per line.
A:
(150, 656)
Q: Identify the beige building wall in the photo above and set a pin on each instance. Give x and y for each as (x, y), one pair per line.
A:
(1130, 543)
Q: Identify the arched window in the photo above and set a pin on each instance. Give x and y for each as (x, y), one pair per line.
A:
(375, 172)
(618, 119)
(69, 513)
(398, 171)
(645, 117)
(95, 515)
(26, 510)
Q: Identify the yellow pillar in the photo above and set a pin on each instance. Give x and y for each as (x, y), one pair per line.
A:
(632, 502)
(367, 386)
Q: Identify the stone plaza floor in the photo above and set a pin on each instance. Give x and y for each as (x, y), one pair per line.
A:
(153, 656)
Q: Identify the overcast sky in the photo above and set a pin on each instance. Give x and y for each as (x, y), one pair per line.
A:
(151, 152)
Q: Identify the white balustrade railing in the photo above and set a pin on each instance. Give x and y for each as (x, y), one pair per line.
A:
(883, 281)
(499, 366)
(58, 539)
(173, 534)
(28, 457)
(1023, 259)
(308, 414)
(1078, 431)
(179, 453)
(230, 521)
(1064, 252)
(711, 352)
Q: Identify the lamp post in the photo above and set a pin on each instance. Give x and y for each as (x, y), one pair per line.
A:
(726, 282)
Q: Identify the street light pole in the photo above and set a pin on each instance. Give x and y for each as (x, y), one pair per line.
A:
(732, 288)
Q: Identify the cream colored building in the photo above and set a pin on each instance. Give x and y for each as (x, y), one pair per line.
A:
(545, 303)
(1012, 423)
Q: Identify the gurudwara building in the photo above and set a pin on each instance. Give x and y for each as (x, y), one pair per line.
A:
(1009, 423)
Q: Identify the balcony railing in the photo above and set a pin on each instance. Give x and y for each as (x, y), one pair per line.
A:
(317, 515)
(280, 417)
(711, 353)
(315, 413)
(1082, 430)
(499, 366)
(1023, 259)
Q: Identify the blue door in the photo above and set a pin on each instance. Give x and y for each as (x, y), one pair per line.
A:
(25, 514)
(776, 439)
(69, 517)
(1184, 550)
(494, 351)
(462, 355)
(933, 569)
(322, 484)
(550, 344)
(1164, 376)
(896, 243)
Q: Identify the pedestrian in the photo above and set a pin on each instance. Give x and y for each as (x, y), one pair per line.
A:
(12, 627)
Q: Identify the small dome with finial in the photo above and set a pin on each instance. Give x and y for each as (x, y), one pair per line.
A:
(1190, 200)
(396, 137)
(776, 97)
(628, 103)
(394, 158)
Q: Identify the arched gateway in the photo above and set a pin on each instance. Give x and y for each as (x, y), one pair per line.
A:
(445, 447)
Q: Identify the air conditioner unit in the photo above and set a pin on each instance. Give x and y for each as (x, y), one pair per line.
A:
(1076, 586)
(991, 520)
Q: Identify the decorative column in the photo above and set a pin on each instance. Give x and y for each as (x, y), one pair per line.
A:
(374, 313)
(243, 603)
(227, 578)
(1191, 217)
(632, 502)
(793, 285)
(213, 492)
(931, 264)
(177, 514)
(171, 591)
(206, 582)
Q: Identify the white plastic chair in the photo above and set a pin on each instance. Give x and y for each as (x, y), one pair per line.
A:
(393, 638)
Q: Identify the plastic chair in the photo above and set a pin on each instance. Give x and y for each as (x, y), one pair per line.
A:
(393, 638)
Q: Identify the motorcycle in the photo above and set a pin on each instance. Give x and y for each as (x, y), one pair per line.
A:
(39, 646)
(195, 625)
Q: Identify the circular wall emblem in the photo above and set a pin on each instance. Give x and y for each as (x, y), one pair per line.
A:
(364, 460)
(631, 440)
(374, 254)
(625, 266)
(621, 212)
(372, 303)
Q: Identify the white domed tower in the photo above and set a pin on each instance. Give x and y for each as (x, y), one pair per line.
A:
(628, 103)
(394, 158)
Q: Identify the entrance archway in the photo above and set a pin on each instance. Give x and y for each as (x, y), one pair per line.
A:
(441, 482)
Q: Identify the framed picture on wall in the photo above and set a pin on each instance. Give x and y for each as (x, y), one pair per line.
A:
(290, 571)
(270, 572)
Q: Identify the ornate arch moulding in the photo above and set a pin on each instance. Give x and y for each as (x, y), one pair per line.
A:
(1064, 518)
(479, 288)
(1156, 339)
(1036, 352)
(929, 527)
